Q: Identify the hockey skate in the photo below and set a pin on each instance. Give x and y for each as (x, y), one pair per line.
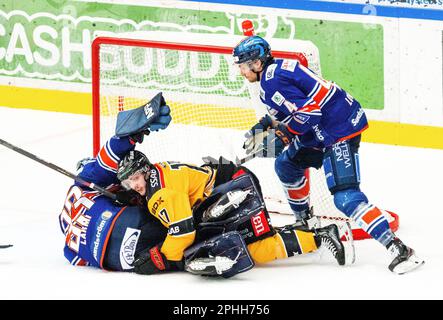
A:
(405, 259)
(329, 239)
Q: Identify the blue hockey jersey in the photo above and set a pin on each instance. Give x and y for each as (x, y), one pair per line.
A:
(318, 111)
(87, 217)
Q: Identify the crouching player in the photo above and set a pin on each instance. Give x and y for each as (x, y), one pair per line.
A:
(216, 219)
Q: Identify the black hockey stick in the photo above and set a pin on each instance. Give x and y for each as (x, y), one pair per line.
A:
(60, 170)
(5, 246)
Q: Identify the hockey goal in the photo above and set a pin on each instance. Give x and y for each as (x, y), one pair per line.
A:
(212, 107)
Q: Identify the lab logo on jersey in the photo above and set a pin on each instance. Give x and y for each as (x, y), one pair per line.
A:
(289, 65)
(127, 248)
(270, 72)
(278, 98)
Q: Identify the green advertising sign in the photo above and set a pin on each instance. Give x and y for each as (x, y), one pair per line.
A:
(52, 40)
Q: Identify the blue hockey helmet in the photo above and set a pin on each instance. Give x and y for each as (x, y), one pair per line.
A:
(251, 49)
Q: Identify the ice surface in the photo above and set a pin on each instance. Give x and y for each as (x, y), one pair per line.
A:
(401, 179)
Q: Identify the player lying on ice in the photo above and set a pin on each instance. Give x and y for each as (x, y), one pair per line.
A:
(175, 216)
(321, 125)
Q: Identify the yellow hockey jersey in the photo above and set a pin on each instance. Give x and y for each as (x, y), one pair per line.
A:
(173, 189)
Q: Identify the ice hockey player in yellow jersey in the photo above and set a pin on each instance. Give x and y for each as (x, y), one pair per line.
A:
(200, 204)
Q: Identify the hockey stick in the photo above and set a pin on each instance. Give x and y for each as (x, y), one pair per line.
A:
(60, 170)
(252, 155)
(5, 246)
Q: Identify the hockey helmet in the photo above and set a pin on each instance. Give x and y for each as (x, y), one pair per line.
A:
(134, 162)
(251, 49)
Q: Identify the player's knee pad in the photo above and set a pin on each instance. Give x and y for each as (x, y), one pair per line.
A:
(348, 200)
(341, 165)
(286, 169)
(223, 255)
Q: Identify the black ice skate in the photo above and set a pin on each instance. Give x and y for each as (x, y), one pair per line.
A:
(405, 259)
(329, 238)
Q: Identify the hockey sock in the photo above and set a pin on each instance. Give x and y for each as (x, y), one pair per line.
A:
(374, 222)
(284, 244)
(298, 194)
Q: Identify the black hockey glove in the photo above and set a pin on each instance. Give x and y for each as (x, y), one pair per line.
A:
(130, 198)
(152, 261)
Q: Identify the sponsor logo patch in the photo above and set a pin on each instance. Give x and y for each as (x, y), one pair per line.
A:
(301, 118)
(262, 94)
(318, 133)
(277, 98)
(289, 65)
(270, 72)
(260, 224)
(290, 106)
(127, 248)
(360, 114)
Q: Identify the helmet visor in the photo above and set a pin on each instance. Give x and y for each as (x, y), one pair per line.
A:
(133, 181)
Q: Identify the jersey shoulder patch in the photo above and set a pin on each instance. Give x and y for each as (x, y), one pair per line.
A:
(270, 71)
(289, 65)
(155, 181)
(278, 98)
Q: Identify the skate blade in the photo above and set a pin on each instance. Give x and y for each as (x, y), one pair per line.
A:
(407, 266)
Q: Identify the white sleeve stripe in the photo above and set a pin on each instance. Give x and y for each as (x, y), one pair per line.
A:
(327, 97)
(316, 88)
(110, 153)
(104, 166)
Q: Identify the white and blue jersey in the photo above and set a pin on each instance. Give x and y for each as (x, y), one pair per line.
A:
(318, 111)
(87, 218)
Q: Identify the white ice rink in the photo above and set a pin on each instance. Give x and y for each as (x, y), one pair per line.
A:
(401, 179)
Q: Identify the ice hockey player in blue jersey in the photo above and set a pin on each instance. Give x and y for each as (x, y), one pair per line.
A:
(316, 123)
(101, 232)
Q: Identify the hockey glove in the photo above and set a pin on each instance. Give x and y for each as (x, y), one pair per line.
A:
(255, 136)
(152, 261)
(282, 132)
(152, 116)
(130, 198)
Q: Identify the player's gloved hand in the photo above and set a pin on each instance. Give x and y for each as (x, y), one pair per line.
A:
(163, 119)
(129, 198)
(160, 123)
(255, 136)
(152, 261)
(271, 147)
(282, 132)
(136, 123)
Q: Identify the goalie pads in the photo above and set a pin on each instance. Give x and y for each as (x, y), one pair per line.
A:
(236, 205)
(152, 116)
(223, 255)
